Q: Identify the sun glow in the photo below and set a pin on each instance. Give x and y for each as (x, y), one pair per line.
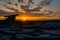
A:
(35, 18)
(26, 18)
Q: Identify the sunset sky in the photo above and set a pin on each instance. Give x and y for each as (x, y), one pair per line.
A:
(54, 6)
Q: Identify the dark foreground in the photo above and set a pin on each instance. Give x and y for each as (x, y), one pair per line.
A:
(29, 30)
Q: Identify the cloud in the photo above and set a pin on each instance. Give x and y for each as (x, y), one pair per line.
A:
(28, 8)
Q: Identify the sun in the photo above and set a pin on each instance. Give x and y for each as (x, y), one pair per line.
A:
(24, 18)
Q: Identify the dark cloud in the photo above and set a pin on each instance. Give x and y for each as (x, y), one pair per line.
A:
(12, 9)
(20, 1)
(46, 2)
(4, 13)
